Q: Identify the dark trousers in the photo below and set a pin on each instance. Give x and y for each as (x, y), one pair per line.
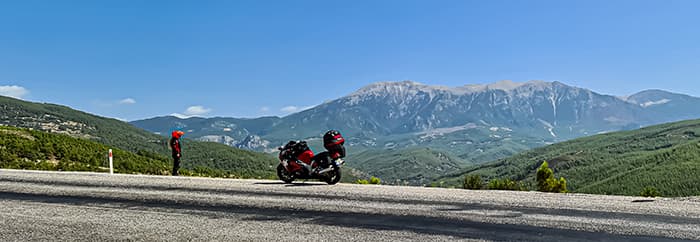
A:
(176, 165)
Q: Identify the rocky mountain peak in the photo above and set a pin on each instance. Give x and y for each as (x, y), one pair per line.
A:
(395, 88)
(405, 88)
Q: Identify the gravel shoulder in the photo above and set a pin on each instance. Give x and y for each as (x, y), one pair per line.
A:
(71, 206)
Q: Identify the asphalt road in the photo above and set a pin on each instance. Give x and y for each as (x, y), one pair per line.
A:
(66, 206)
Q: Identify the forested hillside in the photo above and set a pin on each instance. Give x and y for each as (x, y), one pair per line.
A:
(666, 157)
(207, 157)
(30, 149)
(408, 166)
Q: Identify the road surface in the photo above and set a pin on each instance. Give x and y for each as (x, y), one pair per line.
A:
(69, 206)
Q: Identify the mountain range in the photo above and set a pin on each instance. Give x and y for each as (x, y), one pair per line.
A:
(472, 123)
(403, 132)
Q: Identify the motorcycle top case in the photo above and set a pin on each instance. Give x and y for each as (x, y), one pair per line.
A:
(333, 137)
(333, 141)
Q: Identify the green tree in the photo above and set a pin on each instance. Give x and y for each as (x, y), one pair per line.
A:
(546, 182)
(473, 182)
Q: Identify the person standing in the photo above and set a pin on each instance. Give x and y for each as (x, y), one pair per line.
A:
(176, 149)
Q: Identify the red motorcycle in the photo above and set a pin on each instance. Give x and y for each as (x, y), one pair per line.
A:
(297, 161)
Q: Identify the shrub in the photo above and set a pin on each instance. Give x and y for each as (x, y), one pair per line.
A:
(561, 187)
(372, 180)
(505, 184)
(473, 182)
(650, 192)
(546, 182)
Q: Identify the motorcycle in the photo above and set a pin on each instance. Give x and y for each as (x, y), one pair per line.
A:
(298, 162)
(322, 167)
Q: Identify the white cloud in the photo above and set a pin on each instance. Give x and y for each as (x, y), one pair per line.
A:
(192, 111)
(652, 103)
(264, 109)
(294, 109)
(290, 109)
(13, 91)
(178, 115)
(127, 101)
(197, 110)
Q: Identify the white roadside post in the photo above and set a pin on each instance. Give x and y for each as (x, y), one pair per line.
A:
(111, 164)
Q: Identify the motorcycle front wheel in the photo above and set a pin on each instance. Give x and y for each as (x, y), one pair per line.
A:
(284, 175)
(333, 176)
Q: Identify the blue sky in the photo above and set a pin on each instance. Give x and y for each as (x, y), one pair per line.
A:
(138, 59)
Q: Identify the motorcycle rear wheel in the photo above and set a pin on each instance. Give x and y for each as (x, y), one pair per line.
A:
(284, 175)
